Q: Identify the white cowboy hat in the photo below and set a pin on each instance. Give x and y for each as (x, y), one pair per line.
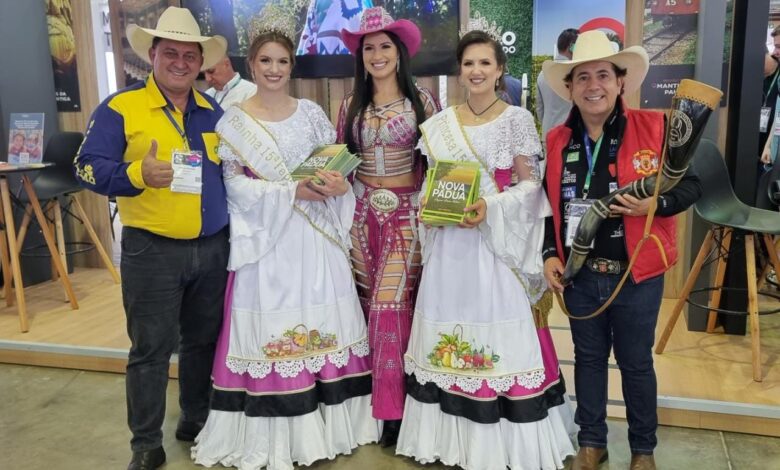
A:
(595, 46)
(177, 24)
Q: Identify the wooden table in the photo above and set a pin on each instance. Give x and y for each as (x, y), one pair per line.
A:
(9, 247)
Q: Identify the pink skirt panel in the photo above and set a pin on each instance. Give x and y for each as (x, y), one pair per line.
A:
(389, 323)
(389, 331)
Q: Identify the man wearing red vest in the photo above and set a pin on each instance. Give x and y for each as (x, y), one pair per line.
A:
(603, 146)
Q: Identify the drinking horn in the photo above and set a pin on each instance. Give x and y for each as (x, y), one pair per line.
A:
(691, 108)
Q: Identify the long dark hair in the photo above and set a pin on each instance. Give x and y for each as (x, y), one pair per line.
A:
(363, 92)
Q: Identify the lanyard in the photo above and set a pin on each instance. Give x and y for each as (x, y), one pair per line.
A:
(227, 92)
(774, 80)
(592, 159)
(178, 129)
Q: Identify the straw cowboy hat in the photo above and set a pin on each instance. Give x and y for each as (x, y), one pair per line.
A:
(176, 24)
(376, 20)
(595, 46)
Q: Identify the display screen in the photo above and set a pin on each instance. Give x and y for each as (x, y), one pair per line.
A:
(317, 24)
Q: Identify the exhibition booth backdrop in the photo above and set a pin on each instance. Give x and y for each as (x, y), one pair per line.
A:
(704, 380)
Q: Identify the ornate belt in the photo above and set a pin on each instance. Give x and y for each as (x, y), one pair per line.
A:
(606, 266)
(381, 200)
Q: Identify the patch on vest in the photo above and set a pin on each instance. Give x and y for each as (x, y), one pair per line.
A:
(645, 162)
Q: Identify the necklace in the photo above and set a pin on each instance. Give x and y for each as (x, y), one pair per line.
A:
(476, 114)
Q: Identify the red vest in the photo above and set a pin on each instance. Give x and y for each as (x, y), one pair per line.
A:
(638, 156)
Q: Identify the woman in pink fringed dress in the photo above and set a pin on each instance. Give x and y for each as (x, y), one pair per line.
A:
(379, 122)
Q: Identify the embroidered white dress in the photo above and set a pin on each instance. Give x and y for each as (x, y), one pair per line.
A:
(484, 388)
(291, 374)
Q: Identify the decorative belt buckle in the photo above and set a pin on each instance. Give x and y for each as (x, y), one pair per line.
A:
(383, 200)
(604, 266)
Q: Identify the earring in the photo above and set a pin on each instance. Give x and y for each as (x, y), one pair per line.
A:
(397, 66)
(497, 83)
(365, 74)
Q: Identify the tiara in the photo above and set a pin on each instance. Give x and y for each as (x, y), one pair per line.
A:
(279, 17)
(480, 23)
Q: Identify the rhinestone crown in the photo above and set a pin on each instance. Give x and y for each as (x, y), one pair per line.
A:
(480, 23)
(279, 17)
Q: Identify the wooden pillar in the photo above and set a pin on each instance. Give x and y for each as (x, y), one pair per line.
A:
(95, 205)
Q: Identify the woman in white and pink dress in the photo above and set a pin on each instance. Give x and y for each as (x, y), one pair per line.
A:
(292, 373)
(484, 389)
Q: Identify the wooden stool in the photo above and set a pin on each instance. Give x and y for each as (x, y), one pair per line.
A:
(720, 238)
(54, 207)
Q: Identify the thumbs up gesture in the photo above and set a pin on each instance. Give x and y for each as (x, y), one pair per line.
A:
(156, 173)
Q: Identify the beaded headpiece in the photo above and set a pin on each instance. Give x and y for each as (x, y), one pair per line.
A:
(280, 17)
(480, 23)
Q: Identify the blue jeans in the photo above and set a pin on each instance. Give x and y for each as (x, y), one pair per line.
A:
(171, 289)
(628, 326)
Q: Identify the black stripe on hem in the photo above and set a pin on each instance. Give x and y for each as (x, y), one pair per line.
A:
(527, 410)
(291, 404)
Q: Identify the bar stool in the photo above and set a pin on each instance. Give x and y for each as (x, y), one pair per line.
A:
(57, 184)
(720, 207)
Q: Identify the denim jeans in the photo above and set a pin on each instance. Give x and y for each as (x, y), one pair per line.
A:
(628, 326)
(172, 290)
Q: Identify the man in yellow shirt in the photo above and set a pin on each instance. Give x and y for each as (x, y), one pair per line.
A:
(153, 146)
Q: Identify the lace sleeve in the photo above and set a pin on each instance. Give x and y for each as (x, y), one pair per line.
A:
(231, 164)
(323, 128)
(514, 224)
(259, 211)
(525, 145)
(231, 169)
(226, 153)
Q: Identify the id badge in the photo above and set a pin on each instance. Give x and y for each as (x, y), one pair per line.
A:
(577, 209)
(613, 186)
(764, 121)
(187, 171)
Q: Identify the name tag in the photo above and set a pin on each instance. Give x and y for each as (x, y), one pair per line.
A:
(613, 186)
(187, 171)
(576, 210)
(764, 121)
